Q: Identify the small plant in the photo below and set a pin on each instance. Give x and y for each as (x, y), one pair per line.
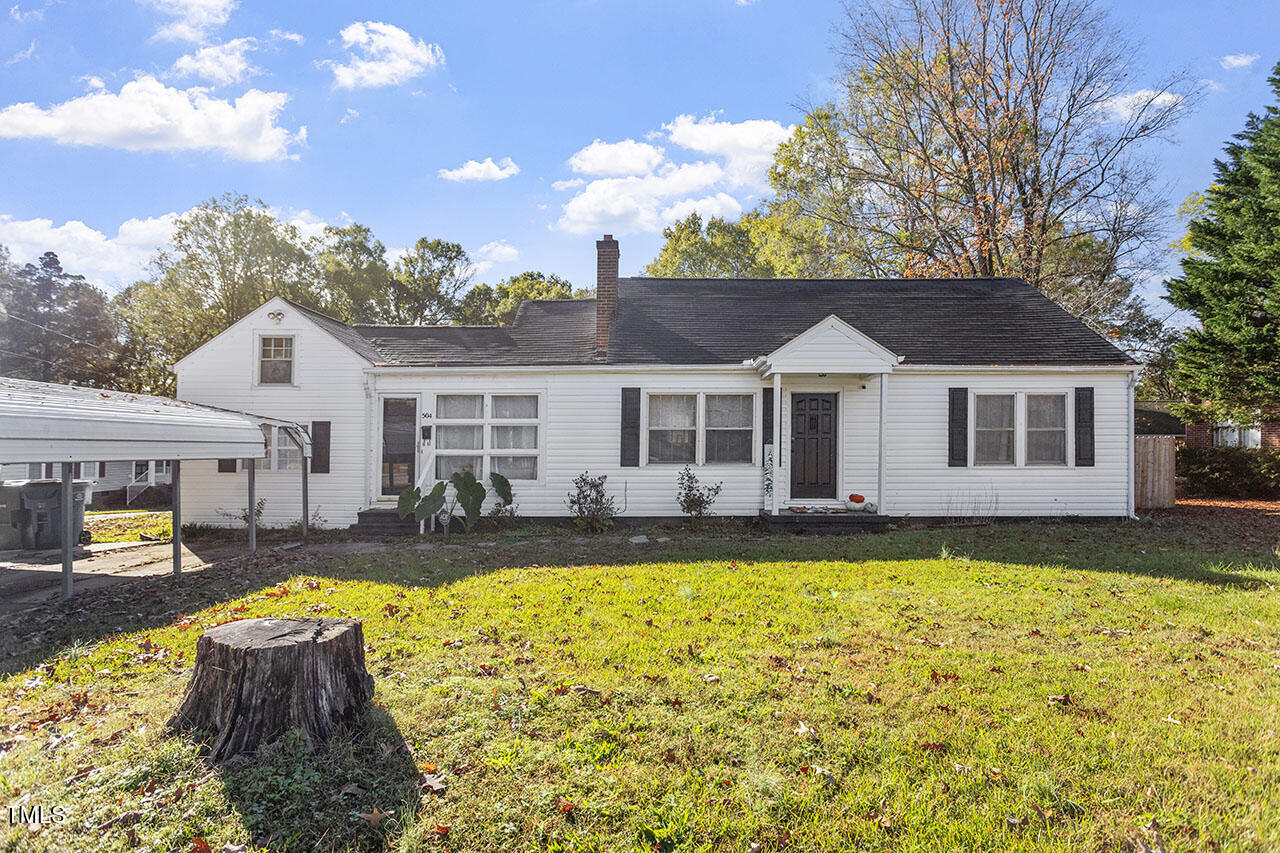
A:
(696, 499)
(468, 493)
(593, 510)
(768, 472)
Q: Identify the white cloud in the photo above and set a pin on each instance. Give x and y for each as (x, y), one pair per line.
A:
(746, 146)
(642, 187)
(721, 204)
(1127, 107)
(496, 252)
(110, 262)
(219, 63)
(616, 159)
(1238, 60)
(380, 54)
(285, 35)
(482, 170)
(636, 203)
(22, 55)
(349, 115)
(93, 82)
(22, 17)
(193, 20)
(147, 115)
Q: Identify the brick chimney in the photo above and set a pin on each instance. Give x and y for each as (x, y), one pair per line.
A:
(606, 289)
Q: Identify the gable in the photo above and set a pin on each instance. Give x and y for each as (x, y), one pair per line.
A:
(830, 346)
(295, 317)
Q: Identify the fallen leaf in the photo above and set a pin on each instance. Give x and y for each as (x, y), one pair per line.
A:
(351, 788)
(376, 817)
(433, 784)
(442, 830)
(711, 678)
(1013, 820)
(199, 845)
(804, 730)
(566, 805)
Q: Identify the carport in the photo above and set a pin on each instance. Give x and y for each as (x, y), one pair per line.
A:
(42, 422)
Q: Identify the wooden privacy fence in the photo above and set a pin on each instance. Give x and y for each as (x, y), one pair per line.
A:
(1153, 464)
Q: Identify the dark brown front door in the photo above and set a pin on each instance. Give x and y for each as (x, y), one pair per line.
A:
(813, 445)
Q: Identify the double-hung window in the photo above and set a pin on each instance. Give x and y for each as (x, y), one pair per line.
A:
(703, 428)
(1046, 429)
(281, 453)
(486, 433)
(275, 361)
(994, 429)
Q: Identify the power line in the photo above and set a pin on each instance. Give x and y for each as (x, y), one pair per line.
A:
(74, 340)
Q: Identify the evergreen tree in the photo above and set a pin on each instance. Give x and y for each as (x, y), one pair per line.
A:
(1231, 279)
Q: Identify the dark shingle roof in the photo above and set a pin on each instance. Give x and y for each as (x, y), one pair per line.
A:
(1152, 417)
(727, 321)
(943, 321)
(552, 331)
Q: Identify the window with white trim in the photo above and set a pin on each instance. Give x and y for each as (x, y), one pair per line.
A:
(487, 433)
(701, 428)
(994, 428)
(1229, 434)
(281, 453)
(275, 360)
(1046, 429)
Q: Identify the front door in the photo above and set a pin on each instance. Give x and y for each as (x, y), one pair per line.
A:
(813, 446)
(399, 444)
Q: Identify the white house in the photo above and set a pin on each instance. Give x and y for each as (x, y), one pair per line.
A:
(133, 477)
(933, 398)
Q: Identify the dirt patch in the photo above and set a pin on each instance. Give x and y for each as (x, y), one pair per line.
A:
(1228, 521)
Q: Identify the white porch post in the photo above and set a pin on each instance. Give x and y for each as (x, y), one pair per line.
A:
(884, 394)
(253, 500)
(778, 479)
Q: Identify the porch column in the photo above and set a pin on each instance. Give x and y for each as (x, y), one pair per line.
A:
(253, 505)
(884, 395)
(68, 531)
(778, 479)
(175, 481)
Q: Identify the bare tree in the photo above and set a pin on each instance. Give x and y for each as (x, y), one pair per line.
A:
(985, 138)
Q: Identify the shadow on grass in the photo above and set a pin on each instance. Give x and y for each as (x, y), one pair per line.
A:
(291, 798)
(1191, 549)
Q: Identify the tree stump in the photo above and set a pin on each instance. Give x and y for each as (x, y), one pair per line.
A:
(256, 679)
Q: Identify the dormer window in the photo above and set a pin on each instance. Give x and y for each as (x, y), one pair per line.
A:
(275, 364)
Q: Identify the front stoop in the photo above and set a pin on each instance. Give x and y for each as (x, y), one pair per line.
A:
(380, 523)
(825, 522)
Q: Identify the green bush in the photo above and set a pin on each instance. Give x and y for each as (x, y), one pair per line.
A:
(1230, 472)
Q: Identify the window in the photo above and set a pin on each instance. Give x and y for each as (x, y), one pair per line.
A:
(1046, 429)
(504, 441)
(673, 428)
(281, 453)
(993, 434)
(729, 427)
(275, 365)
(1233, 435)
(697, 429)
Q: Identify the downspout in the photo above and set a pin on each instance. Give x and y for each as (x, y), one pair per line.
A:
(884, 396)
(1130, 389)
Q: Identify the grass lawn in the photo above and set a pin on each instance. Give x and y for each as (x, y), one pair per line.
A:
(1012, 687)
(131, 528)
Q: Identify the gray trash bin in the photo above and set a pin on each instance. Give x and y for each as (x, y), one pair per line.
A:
(42, 511)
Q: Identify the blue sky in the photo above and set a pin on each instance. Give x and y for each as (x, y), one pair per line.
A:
(476, 122)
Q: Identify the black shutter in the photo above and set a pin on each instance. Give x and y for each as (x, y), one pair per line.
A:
(630, 441)
(1084, 427)
(766, 421)
(958, 428)
(102, 470)
(320, 447)
(226, 466)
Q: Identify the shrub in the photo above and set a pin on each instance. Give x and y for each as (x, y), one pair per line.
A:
(593, 510)
(696, 499)
(1230, 472)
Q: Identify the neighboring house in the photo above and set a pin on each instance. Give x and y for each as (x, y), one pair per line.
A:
(1153, 417)
(933, 398)
(1265, 433)
(132, 477)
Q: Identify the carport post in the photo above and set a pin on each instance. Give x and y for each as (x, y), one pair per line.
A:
(176, 485)
(68, 528)
(253, 506)
(306, 465)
